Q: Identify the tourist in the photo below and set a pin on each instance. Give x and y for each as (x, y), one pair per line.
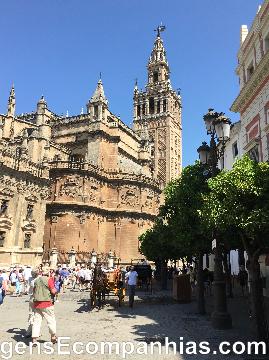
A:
(192, 273)
(15, 281)
(131, 278)
(81, 278)
(2, 291)
(88, 274)
(58, 282)
(43, 291)
(34, 275)
(27, 275)
(243, 279)
(5, 281)
(64, 273)
(73, 278)
(21, 282)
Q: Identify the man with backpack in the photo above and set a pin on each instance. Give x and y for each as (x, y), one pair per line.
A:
(44, 290)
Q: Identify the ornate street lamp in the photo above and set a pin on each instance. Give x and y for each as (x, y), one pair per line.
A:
(218, 127)
(204, 153)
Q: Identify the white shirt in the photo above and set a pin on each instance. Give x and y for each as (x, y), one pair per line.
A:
(13, 277)
(132, 277)
(88, 275)
(5, 276)
(81, 273)
(27, 273)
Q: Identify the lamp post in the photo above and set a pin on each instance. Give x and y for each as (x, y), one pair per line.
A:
(218, 127)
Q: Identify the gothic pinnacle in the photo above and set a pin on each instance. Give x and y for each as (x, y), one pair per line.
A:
(11, 102)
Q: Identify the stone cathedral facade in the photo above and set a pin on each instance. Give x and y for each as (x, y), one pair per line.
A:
(74, 184)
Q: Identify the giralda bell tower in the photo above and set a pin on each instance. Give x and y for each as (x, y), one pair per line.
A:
(157, 116)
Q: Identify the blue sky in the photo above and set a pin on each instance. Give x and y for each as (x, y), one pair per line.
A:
(58, 47)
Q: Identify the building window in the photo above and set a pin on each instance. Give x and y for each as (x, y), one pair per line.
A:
(250, 70)
(18, 152)
(254, 153)
(95, 111)
(151, 105)
(266, 43)
(27, 241)
(143, 109)
(158, 106)
(155, 76)
(29, 212)
(235, 149)
(2, 238)
(3, 207)
(138, 110)
(164, 105)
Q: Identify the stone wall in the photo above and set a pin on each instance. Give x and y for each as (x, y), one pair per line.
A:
(93, 209)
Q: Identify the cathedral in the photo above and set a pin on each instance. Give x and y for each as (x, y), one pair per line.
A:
(84, 184)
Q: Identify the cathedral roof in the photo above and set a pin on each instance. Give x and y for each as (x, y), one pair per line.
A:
(99, 94)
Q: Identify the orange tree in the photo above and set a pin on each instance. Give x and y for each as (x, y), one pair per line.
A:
(181, 232)
(239, 200)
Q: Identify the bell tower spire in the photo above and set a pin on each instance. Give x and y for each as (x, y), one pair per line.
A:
(158, 68)
(11, 102)
(157, 111)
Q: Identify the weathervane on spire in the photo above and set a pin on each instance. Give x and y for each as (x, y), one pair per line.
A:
(159, 29)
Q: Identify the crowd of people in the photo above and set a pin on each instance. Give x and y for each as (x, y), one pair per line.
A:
(43, 286)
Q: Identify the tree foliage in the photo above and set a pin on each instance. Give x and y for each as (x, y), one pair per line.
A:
(239, 201)
(179, 231)
(184, 199)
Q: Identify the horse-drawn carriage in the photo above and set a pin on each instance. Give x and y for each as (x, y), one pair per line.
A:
(144, 281)
(105, 283)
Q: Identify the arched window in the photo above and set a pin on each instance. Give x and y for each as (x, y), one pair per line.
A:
(138, 110)
(95, 111)
(27, 241)
(155, 76)
(158, 107)
(151, 105)
(164, 105)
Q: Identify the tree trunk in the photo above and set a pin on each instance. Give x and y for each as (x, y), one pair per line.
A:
(157, 274)
(227, 269)
(200, 286)
(241, 258)
(164, 275)
(258, 312)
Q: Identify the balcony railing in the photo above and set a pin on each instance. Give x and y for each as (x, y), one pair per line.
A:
(19, 163)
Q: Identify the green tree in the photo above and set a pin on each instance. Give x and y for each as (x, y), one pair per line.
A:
(179, 232)
(158, 245)
(184, 198)
(239, 200)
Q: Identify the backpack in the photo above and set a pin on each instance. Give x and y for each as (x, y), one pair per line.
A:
(41, 289)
